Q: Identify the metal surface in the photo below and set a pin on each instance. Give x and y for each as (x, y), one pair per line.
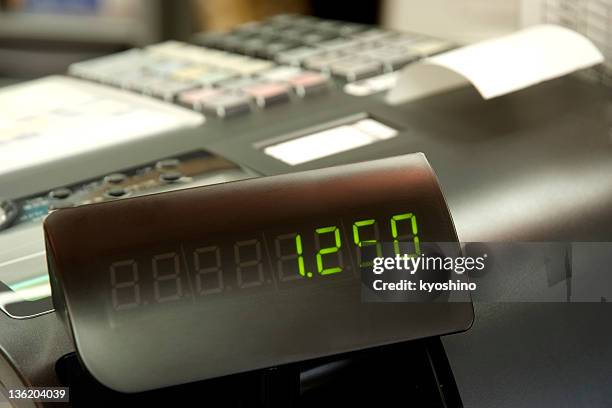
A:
(24, 283)
(534, 165)
(258, 323)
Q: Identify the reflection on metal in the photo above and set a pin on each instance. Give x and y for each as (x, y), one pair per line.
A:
(556, 272)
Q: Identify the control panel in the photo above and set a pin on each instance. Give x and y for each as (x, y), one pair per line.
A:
(24, 282)
(257, 65)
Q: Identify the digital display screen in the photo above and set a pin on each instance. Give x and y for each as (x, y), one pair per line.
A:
(211, 281)
(253, 261)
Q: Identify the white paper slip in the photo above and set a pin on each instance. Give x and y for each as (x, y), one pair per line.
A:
(499, 66)
(331, 141)
(58, 117)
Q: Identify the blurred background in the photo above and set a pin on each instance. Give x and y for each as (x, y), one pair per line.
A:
(40, 37)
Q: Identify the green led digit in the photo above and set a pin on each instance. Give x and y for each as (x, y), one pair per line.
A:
(298, 248)
(328, 250)
(413, 235)
(368, 242)
(290, 258)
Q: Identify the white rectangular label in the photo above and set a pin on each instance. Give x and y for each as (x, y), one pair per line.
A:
(331, 141)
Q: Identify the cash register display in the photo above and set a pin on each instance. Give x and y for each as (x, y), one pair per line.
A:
(205, 282)
(245, 262)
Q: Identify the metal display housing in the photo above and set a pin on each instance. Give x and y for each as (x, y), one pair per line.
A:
(179, 343)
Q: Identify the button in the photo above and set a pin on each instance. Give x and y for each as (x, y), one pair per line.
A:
(105, 68)
(167, 90)
(164, 68)
(431, 46)
(372, 85)
(214, 77)
(374, 34)
(142, 83)
(355, 68)
(130, 81)
(273, 28)
(250, 66)
(116, 192)
(340, 44)
(167, 164)
(115, 178)
(238, 83)
(253, 46)
(171, 176)
(297, 55)
(228, 104)
(324, 61)
(117, 78)
(86, 68)
(190, 73)
(405, 39)
(8, 213)
(195, 97)
(309, 83)
(58, 205)
(368, 45)
(200, 55)
(316, 37)
(60, 193)
(295, 33)
(266, 94)
(392, 57)
(274, 48)
(281, 73)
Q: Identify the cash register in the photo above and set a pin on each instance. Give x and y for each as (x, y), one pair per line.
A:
(274, 117)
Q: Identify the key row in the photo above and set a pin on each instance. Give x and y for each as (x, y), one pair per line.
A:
(205, 80)
(346, 50)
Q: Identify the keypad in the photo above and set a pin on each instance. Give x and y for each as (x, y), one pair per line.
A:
(259, 65)
(211, 81)
(314, 43)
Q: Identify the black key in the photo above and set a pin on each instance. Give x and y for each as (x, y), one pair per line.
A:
(272, 49)
(115, 178)
(116, 192)
(171, 176)
(253, 46)
(60, 193)
(316, 37)
(167, 164)
(295, 33)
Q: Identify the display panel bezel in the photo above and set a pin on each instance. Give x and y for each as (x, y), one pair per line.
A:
(217, 351)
